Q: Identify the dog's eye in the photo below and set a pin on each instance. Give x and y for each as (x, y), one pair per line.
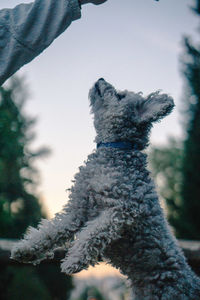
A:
(120, 96)
(110, 93)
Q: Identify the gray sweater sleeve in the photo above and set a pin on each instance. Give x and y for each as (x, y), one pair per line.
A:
(27, 29)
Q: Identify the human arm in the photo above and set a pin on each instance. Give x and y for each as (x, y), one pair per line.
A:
(96, 2)
(28, 29)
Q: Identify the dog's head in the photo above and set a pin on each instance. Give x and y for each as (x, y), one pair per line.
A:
(126, 116)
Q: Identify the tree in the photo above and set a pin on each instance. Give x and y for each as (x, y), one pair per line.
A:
(19, 204)
(191, 161)
(166, 164)
(19, 208)
(184, 165)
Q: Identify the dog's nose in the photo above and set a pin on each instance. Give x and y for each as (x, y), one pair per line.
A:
(99, 85)
(101, 82)
(97, 88)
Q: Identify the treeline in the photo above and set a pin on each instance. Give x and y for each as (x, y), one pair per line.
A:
(20, 206)
(177, 165)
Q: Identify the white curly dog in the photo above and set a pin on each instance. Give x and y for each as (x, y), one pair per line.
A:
(113, 212)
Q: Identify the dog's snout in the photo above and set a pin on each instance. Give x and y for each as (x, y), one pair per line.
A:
(99, 85)
(97, 89)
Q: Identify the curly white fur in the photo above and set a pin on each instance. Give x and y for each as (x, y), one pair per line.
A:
(114, 212)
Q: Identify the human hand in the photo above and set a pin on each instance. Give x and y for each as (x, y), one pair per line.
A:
(96, 2)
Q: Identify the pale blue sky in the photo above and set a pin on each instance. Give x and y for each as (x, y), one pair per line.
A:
(134, 44)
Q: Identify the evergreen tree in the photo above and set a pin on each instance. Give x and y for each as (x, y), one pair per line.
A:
(197, 9)
(19, 205)
(19, 208)
(191, 161)
(184, 182)
(166, 163)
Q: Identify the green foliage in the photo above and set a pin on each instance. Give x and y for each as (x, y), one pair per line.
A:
(166, 163)
(59, 284)
(19, 205)
(191, 162)
(197, 7)
(26, 284)
(44, 282)
(19, 208)
(179, 167)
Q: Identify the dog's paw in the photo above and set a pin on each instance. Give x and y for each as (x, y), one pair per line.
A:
(22, 255)
(70, 267)
(25, 254)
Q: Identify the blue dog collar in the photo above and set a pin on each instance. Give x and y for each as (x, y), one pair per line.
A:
(118, 145)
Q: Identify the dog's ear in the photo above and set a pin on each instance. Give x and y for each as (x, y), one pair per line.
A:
(101, 93)
(155, 107)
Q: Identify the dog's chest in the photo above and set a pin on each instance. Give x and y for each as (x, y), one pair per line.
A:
(112, 178)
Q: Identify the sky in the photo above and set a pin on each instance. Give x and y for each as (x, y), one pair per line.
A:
(133, 44)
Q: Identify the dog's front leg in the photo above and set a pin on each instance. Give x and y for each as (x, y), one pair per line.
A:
(91, 242)
(39, 243)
